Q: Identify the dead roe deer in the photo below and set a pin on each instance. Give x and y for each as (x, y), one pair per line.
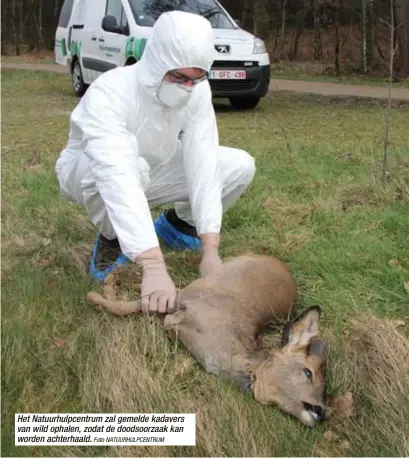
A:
(220, 319)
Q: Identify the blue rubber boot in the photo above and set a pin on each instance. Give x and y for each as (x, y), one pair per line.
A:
(173, 238)
(99, 274)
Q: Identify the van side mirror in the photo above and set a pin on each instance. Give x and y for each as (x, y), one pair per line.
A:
(238, 22)
(109, 25)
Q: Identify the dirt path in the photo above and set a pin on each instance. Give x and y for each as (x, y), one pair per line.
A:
(40, 67)
(308, 87)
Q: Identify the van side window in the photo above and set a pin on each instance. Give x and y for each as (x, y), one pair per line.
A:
(65, 13)
(115, 8)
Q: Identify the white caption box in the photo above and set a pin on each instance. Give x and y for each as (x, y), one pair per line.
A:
(105, 429)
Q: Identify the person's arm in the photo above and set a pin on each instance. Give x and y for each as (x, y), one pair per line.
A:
(113, 154)
(200, 143)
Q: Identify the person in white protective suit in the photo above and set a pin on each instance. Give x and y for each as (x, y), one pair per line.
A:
(145, 135)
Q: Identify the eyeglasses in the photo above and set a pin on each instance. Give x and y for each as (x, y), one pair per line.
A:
(177, 77)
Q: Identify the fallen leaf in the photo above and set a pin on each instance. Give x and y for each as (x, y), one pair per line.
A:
(394, 262)
(22, 192)
(406, 286)
(330, 435)
(320, 452)
(398, 323)
(344, 446)
(343, 405)
(34, 166)
(47, 262)
(20, 242)
(58, 342)
(346, 332)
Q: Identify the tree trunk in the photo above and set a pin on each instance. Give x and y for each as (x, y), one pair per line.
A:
(5, 35)
(402, 32)
(56, 10)
(364, 61)
(21, 22)
(337, 38)
(260, 21)
(247, 15)
(298, 31)
(317, 30)
(366, 35)
(283, 18)
(15, 26)
(40, 25)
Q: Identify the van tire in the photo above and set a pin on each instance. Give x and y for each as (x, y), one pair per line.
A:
(78, 85)
(244, 103)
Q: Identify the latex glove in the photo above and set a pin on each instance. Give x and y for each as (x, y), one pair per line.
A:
(211, 260)
(158, 292)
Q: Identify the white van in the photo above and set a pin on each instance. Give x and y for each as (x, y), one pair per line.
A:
(94, 36)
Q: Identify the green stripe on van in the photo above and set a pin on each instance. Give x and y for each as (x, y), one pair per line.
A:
(76, 48)
(63, 47)
(134, 47)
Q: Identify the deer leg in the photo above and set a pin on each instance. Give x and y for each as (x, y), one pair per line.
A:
(120, 308)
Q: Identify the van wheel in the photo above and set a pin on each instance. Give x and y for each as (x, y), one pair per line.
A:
(78, 84)
(244, 103)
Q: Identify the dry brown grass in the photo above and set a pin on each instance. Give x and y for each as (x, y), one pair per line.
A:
(137, 368)
(372, 364)
(292, 223)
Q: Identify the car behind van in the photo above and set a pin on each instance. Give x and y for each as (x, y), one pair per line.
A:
(94, 36)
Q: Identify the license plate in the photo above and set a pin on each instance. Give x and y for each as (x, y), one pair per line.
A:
(227, 75)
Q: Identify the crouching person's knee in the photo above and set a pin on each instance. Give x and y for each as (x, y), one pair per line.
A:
(247, 168)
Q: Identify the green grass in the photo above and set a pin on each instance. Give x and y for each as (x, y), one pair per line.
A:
(325, 72)
(317, 203)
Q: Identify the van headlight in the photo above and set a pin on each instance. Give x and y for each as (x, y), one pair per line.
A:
(259, 46)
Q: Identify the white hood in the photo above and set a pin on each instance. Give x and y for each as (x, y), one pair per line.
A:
(181, 39)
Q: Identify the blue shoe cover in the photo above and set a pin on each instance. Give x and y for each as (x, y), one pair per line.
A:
(173, 238)
(100, 275)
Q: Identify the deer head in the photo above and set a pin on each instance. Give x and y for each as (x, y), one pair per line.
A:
(293, 376)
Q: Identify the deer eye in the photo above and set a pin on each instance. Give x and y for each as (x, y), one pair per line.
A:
(307, 373)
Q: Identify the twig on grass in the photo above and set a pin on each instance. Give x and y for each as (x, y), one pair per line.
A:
(286, 140)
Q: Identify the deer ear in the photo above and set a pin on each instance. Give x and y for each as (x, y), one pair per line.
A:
(318, 348)
(303, 328)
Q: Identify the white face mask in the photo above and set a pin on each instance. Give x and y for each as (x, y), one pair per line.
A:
(174, 95)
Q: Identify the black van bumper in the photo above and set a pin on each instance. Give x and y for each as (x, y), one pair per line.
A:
(256, 83)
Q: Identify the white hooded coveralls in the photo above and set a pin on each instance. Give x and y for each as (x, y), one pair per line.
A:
(125, 155)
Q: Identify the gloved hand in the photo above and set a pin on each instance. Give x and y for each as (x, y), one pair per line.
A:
(211, 260)
(158, 292)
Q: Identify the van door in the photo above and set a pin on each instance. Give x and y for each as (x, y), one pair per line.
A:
(89, 45)
(113, 35)
(61, 44)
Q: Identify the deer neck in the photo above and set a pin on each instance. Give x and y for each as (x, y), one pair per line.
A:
(245, 365)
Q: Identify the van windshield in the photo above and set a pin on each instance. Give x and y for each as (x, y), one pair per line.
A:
(146, 12)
